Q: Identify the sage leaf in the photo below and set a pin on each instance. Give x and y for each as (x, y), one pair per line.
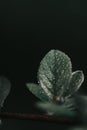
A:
(0, 122)
(81, 105)
(75, 83)
(37, 91)
(5, 87)
(55, 109)
(55, 73)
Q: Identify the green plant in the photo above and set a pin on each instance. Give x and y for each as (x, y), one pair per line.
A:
(57, 84)
(56, 88)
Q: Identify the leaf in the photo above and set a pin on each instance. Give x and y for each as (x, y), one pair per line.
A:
(55, 109)
(81, 103)
(54, 73)
(70, 103)
(5, 87)
(75, 83)
(0, 122)
(37, 91)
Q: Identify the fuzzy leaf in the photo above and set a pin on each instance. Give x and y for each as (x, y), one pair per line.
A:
(55, 73)
(5, 87)
(0, 122)
(81, 104)
(37, 91)
(58, 110)
(75, 83)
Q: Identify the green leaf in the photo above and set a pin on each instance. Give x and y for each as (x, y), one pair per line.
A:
(55, 109)
(81, 105)
(0, 122)
(37, 91)
(75, 83)
(5, 87)
(54, 73)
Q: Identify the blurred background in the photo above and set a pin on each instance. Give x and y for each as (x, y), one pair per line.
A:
(28, 30)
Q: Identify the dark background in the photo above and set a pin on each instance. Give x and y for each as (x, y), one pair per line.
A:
(28, 30)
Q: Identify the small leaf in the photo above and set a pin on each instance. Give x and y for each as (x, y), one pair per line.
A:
(5, 87)
(0, 122)
(70, 103)
(37, 91)
(75, 83)
(58, 110)
(81, 104)
(55, 72)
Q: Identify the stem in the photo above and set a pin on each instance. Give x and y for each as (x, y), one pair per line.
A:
(38, 117)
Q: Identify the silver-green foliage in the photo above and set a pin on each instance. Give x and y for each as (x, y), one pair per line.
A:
(56, 79)
(5, 87)
(55, 109)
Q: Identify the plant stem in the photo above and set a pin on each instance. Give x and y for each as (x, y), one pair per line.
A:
(38, 117)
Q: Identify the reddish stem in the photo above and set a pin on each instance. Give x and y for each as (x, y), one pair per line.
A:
(39, 117)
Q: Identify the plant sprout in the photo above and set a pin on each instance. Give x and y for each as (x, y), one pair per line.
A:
(56, 89)
(57, 83)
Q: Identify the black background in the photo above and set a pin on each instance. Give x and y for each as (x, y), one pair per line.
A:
(28, 30)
